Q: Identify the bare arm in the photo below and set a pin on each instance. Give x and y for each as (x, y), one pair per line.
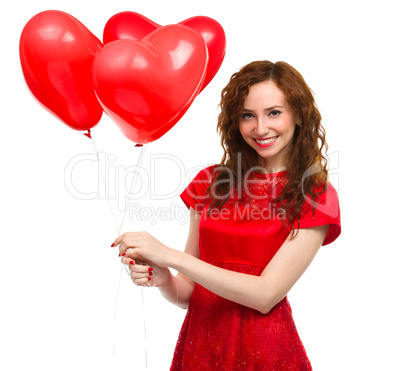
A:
(258, 292)
(178, 289)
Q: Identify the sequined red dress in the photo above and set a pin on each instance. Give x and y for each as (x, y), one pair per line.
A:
(218, 334)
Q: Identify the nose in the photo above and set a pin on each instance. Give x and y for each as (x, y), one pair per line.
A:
(261, 129)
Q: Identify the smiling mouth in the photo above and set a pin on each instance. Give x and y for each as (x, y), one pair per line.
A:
(266, 141)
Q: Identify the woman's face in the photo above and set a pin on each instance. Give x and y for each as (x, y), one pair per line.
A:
(267, 124)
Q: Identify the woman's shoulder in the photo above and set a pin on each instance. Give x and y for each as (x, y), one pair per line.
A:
(322, 208)
(196, 194)
(325, 192)
(207, 173)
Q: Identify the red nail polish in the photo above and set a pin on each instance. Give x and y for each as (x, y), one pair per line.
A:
(150, 273)
(124, 254)
(131, 262)
(149, 278)
(112, 245)
(150, 269)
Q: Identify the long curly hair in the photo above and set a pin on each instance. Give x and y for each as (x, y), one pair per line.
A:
(306, 151)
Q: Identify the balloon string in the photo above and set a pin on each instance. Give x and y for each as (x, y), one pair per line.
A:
(132, 187)
(104, 182)
(116, 302)
(145, 328)
(118, 229)
(133, 183)
(89, 135)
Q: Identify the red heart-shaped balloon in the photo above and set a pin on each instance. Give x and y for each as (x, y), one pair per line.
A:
(131, 25)
(146, 86)
(56, 53)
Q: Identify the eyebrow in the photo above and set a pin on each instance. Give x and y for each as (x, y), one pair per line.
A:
(266, 109)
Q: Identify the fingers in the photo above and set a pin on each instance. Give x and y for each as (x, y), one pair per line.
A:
(130, 244)
(125, 242)
(128, 236)
(140, 274)
(117, 241)
(126, 249)
(135, 266)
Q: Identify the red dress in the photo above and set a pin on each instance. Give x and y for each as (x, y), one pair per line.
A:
(218, 334)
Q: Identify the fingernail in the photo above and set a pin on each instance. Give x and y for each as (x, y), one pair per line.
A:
(112, 245)
(123, 254)
(150, 273)
(150, 269)
(131, 262)
(149, 278)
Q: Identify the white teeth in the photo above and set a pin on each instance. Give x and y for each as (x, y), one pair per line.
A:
(266, 141)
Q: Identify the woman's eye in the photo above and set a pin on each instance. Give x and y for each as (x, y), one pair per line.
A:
(247, 115)
(274, 113)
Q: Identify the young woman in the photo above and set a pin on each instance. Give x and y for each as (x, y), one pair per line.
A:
(257, 221)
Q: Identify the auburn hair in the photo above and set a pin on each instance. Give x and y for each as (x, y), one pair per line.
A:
(305, 155)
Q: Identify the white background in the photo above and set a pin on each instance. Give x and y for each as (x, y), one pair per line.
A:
(58, 275)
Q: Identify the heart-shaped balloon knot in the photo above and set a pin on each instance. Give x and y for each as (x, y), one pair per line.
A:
(88, 134)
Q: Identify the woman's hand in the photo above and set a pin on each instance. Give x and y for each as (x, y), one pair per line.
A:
(143, 274)
(141, 246)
